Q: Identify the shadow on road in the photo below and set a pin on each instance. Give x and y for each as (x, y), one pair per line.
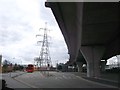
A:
(4, 86)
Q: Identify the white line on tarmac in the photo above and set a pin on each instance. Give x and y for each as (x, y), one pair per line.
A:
(29, 85)
(109, 86)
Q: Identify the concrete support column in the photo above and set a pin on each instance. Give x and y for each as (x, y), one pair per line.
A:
(103, 64)
(79, 64)
(92, 55)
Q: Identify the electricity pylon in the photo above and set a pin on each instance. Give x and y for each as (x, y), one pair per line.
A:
(44, 57)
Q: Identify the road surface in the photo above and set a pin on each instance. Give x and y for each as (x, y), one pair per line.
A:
(50, 80)
(57, 80)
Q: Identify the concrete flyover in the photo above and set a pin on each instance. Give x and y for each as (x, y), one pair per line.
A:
(91, 31)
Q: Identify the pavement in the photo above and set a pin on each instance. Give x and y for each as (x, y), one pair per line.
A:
(113, 80)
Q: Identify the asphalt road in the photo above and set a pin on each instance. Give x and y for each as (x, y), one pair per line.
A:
(11, 82)
(57, 80)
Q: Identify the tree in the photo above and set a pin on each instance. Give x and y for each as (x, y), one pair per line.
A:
(60, 66)
(6, 63)
(15, 67)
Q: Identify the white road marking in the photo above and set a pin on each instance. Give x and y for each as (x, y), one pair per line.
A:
(96, 82)
(29, 85)
(65, 77)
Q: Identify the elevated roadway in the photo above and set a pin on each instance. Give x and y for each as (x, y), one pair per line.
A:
(91, 31)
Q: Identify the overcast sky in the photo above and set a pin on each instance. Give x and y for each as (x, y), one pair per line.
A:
(20, 21)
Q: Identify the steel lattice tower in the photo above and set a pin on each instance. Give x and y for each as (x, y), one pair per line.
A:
(44, 57)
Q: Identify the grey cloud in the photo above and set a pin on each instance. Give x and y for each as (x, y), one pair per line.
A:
(15, 26)
(12, 36)
(46, 14)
